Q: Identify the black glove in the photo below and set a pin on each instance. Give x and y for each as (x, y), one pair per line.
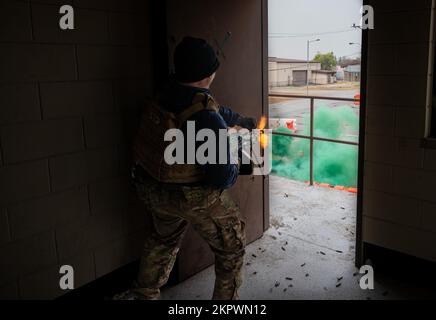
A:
(244, 169)
(248, 123)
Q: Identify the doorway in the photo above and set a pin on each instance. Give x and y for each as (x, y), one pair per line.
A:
(299, 78)
(314, 185)
(294, 254)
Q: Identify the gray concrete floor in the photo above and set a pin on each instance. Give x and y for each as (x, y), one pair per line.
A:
(312, 242)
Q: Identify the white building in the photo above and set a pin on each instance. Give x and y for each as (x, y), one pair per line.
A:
(352, 73)
(293, 72)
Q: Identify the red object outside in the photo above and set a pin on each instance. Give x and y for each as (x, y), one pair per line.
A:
(357, 97)
(291, 125)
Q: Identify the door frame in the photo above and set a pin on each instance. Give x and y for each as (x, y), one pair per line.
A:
(360, 254)
(265, 107)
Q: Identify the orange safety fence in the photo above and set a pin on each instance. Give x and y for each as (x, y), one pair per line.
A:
(341, 188)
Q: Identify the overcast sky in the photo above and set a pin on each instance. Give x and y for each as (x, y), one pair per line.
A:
(293, 22)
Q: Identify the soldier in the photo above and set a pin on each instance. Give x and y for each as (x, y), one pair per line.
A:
(188, 193)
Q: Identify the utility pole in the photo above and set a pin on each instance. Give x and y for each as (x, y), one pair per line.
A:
(308, 65)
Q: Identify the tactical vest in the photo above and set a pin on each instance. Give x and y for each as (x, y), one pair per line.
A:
(149, 146)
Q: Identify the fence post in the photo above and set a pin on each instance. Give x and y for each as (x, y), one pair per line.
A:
(312, 112)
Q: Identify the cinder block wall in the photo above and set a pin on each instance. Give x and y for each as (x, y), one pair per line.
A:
(399, 195)
(68, 101)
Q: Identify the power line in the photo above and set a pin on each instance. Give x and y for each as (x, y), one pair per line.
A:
(302, 35)
(291, 68)
(353, 54)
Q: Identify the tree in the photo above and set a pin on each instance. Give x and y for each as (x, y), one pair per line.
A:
(327, 60)
(346, 61)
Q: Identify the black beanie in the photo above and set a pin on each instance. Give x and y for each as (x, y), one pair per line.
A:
(194, 60)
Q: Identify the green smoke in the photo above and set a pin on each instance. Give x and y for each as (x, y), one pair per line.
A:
(334, 163)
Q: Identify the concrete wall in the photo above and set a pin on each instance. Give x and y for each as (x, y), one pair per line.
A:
(321, 78)
(399, 195)
(68, 100)
(352, 76)
(272, 74)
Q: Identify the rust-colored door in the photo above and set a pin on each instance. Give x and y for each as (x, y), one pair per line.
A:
(241, 84)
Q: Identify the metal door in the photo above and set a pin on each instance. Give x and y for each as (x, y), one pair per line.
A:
(300, 77)
(241, 83)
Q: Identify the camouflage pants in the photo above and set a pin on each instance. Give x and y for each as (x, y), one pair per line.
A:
(212, 214)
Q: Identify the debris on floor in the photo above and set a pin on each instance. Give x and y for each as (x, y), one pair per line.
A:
(320, 229)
